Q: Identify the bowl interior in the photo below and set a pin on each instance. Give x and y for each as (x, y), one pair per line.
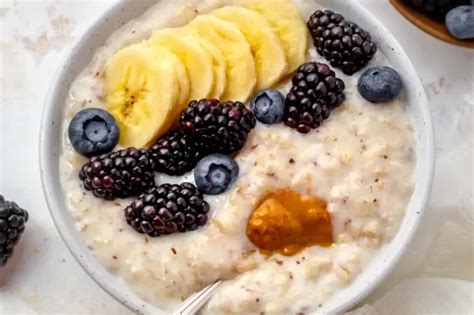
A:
(123, 12)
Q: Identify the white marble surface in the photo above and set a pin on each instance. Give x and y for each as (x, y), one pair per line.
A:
(43, 277)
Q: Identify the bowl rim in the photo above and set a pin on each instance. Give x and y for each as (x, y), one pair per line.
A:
(50, 181)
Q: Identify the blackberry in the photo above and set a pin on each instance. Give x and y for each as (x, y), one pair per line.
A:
(167, 209)
(224, 127)
(12, 225)
(436, 9)
(119, 174)
(344, 44)
(315, 92)
(176, 153)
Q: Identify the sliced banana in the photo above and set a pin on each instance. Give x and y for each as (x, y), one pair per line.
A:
(267, 49)
(219, 64)
(184, 87)
(241, 74)
(142, 92)
(197, 60)
(287, 22)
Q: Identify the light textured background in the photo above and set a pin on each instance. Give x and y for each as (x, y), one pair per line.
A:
(44, 278)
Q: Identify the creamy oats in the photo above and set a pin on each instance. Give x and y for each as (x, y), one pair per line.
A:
(361, 161)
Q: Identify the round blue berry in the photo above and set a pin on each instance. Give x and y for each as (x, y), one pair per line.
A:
(93, 131)
(215, 173)
(268, 106)
(380, 84)
(460, 22)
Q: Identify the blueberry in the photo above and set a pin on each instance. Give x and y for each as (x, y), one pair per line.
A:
(460, 22)
(215, 173)
(380, 84)
(93, 131)
(268, 106)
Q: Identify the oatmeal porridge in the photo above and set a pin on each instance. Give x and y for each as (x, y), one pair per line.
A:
(360, 161)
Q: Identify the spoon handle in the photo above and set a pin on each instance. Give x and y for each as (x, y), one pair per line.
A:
(194, 303)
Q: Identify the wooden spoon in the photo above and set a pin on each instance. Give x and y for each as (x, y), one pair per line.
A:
(428, 25)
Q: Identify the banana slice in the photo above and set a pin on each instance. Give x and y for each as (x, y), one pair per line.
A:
(287, 22)
(241, 75)
(184, 87)
(267, 49)
(219, 64)
(142, 92)
(197, 60)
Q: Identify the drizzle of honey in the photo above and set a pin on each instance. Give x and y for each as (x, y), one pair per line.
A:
(286, 222)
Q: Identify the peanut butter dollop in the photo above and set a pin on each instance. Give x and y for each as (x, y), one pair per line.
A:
(286, 222)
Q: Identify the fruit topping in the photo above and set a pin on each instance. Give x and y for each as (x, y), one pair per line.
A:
(219, 64)
(167, 209)
(119, 174)
(267, 49)
(268, 106)
(12, 225)
(215, 173)
(344, 44)
(223, 126)
(285, 19)
(144, 88)
(241, 75)
(436, 9)
(176, 153)
(380, 84)
(287, 222)
(93, 131)
(460, 22)
(196, 59)
(315, 92)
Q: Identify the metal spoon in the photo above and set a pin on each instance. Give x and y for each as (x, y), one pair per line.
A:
(194, 303)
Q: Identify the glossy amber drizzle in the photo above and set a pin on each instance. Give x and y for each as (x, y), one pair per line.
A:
(286, 222)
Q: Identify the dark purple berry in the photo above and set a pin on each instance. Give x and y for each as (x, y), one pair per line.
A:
(12, 225)
(344, 44)
(152, 213)
(315, 92)
(120, 174)
(221, 127)
(177, 153)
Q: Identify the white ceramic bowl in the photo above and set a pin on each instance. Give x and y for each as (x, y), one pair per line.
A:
(81, 55)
